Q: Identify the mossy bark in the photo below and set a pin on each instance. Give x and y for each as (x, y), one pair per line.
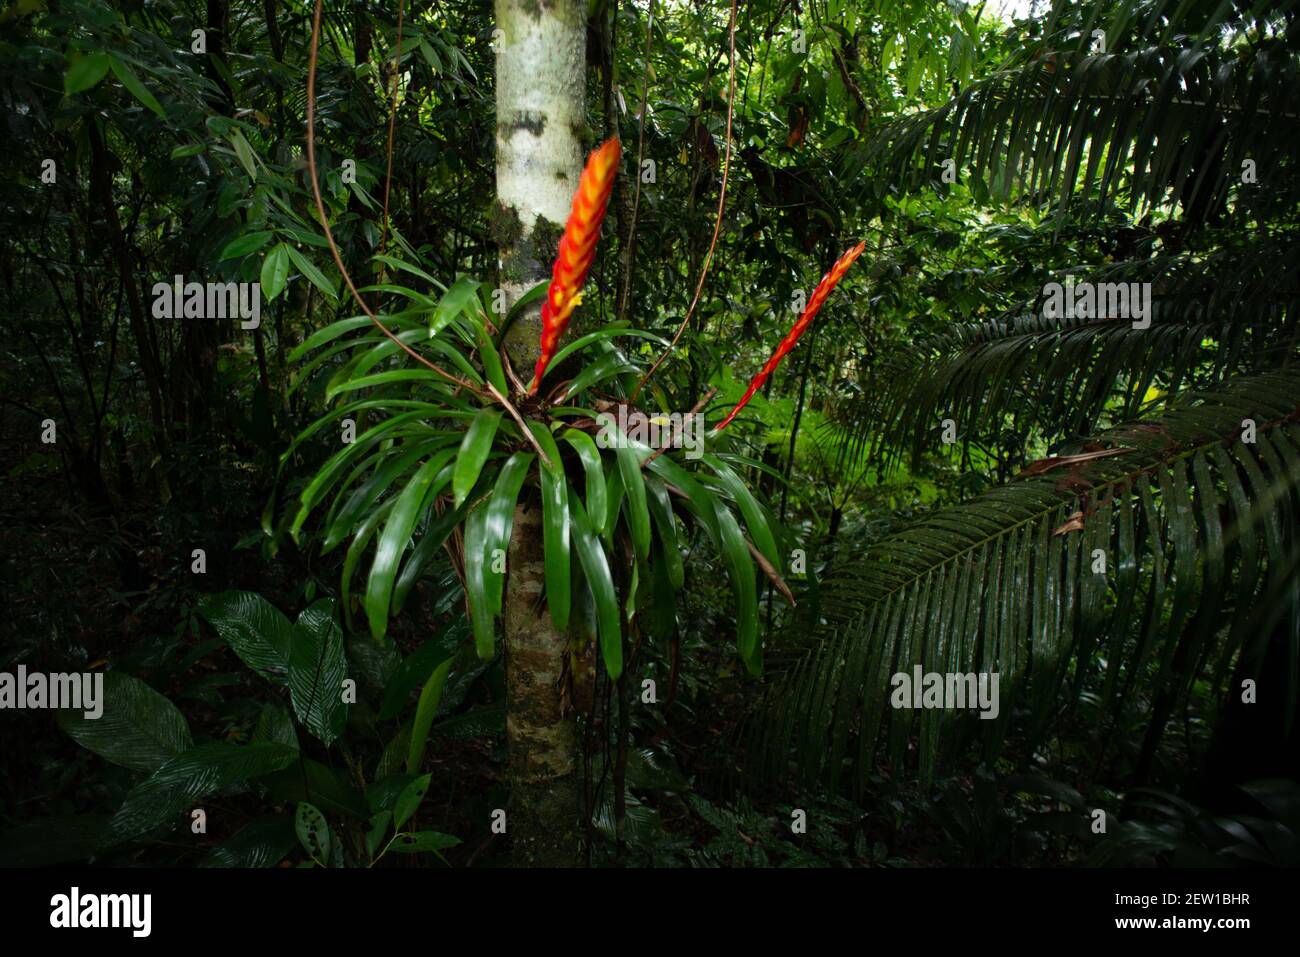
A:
(541, 52)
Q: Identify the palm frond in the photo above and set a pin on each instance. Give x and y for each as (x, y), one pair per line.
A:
(1190, 523)
(1211, 317)
(1168, 113)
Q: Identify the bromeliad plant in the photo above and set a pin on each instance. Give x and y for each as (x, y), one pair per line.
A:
(443, 449)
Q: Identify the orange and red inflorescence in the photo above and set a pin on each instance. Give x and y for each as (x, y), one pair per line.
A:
(804, 321)
(577, 249)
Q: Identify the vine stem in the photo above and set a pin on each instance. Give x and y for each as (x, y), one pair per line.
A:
(722, 200)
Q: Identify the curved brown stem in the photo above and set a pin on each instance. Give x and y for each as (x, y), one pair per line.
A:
(722, 199)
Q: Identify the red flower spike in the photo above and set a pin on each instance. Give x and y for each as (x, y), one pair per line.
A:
(577, 250)
(804, 321)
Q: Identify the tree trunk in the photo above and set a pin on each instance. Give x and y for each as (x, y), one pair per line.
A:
(541, 735)
(540, 87)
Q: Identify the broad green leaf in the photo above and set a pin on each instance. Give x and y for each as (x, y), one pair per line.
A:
(275, 272)
(313, 832)
(182, 780)
(254, 628)
(137, 727)
(264, 842)
(408, 802)
(84, 72)
(317, 670)
(421, 842)
(243, 245)
(243, 153)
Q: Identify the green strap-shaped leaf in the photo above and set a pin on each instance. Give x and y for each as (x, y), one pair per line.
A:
(614, 501)
(596, 372)
(384, 378)
(491, 359)
(699, 499)
(332, 470)
(638, 513)
(755, 519)
(595, 567)
(600, 335)
(393, 463)
(661, 510)
(454, 301)
(360, 540)
(430, 695)
(500, 523)
(594, 471)
(474, 451)
(741, 566)
(133, 83)
(392, 543)
(476, 558)
(328, 334)
(555, 527)
(432, 539)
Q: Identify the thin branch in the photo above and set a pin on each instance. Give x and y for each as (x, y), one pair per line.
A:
(673, 437)
(338, 259)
